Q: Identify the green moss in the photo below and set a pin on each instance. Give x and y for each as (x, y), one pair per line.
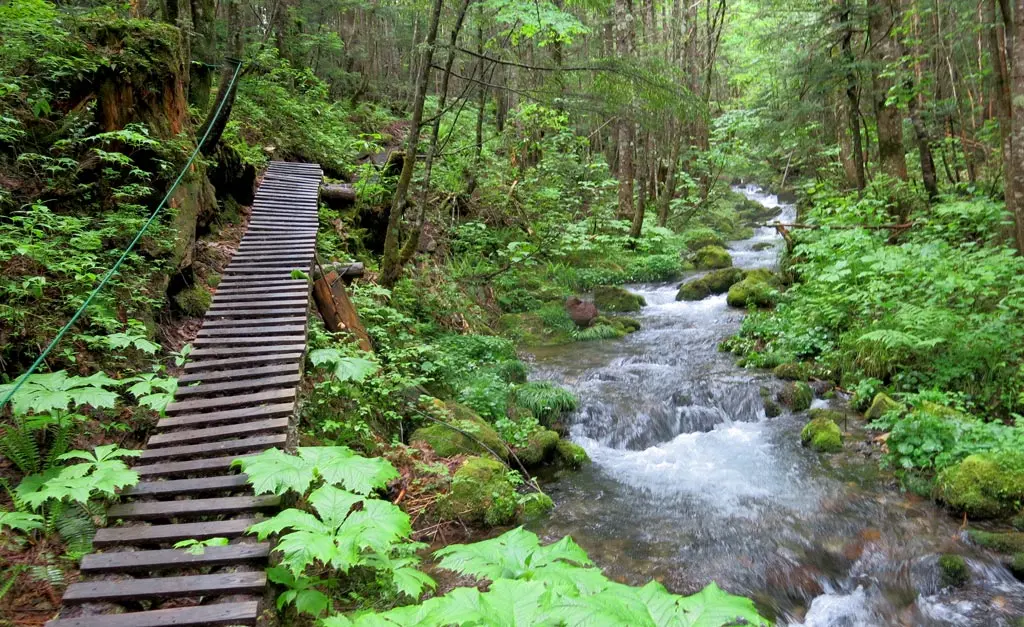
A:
(1010, 542)
(617, 299)
(953, 570)
(540, 446)
(762, 246)
(984, 485)
(796, 395)
(758, 288)
(712, 257)
(942, 411)
(1017, 522)
(822, 435)
(193, 301)
(448, 442)
(481, 493)
(535, 505)
(791, 371)
(570, 454)
(532, 330)
(715, 282)
(827, 414)
(702, 237)
(880, 405)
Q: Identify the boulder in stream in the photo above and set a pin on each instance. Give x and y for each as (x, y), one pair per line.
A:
(796, 395)
(880, 405)
(712, 258)
(984, 485)
(758, 288)
(953, 570)
(581, 312)
(617, 299)
(481, 494)
(571, 455)
(822, 435)
(715, 282)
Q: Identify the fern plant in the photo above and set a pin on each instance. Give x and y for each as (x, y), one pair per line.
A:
(341, 528)
(546, 400)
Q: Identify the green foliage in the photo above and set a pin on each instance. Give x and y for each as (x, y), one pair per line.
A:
(545, 400)
(533, 584)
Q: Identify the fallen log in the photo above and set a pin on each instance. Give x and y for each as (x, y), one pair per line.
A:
(337, 310)
(338, 195)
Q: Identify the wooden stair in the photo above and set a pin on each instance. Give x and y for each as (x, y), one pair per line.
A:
(235, 398)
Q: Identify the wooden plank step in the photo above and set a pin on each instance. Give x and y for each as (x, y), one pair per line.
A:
(186, 468)
(206, 389)
(273, 249)
(266, 295)
(300, 287)
(166, 587)
(255, 360)
(208, 434)
(226, 283)
(253, 322)
(238, 351)
(166, 534)
(277, 271)
(286, 212)
(292, 301)
(248, 330)
(286, 255)
(241, 613)
(205, 342)
(238, 373)
(175, 487)
(133, 561)
(212, 448)
(296, 261)
(227, 417)
(225, 402)
(193, 507)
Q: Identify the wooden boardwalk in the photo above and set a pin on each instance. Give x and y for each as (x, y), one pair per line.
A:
(236, 397)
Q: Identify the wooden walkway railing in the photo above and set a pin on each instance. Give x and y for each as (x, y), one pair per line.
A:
(235, 398)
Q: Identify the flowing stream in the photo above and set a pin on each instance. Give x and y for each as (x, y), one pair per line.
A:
(691, 483)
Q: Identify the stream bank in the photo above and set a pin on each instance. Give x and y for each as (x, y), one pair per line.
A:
(690, 482)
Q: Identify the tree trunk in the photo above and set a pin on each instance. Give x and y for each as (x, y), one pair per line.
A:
(1001, 94)
(226, 90)
(1017, 140)
(204, 13)
(391, 267)
(852, 96)
(882, 17)
(623, 26)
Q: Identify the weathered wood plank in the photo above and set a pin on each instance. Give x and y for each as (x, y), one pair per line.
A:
(299, 288)
(166, 534)
(208, 434)
(193, 507)
(205, 342)
(225, 402)
(174, 487)
(245, 329)
(133, 561)
(227, 417)
(166, 587)
(214, 448)
(253, 322)
(241, 613)
(206, 389)
(293, 302)
(186, 468)
(202, 353)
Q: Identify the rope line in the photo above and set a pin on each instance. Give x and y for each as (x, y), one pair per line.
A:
(124, 255)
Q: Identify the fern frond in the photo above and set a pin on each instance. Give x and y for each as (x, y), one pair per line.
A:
(19, 445)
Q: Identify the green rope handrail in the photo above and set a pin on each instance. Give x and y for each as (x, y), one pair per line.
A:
(124, 255)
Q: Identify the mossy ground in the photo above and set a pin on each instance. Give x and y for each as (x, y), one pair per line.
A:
(822, 435)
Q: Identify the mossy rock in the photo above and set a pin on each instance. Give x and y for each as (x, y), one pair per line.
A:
(822, 435)
(711, 258)
(1011, 542)
(539, 448)
(1017, 522)
(880, 405)
(942, 411)
(1016, 566)
(796, 395)
(953, 570)
(984, 485)
(701, 238)
(535, 505)
(622, 325)
(571, 455)
(762, 246)
(715, 282)
(827, 414)
(771, 408)
(617, 299)
(481, 494)
(448, 442)
(791, 371)
(758, 288)
(193, 301)
(530, 329)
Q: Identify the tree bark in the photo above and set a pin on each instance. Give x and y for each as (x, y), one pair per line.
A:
(882, 17)
(623, 25)
(1016, 180)
(226, 90)
(1001, 94)
(391, 267)
(852, 95)
(204, 13)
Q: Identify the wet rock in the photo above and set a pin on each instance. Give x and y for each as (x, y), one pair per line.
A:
(791, 371)
(762, 246)
(771, 408)
(1011, 542)
(711, 258)
(447, 441)
(758, 288)
(796, 395)
(984, 485)
(822, 435)
(623, 325)
(1017, 522)
(828, 414)
(481, 493)
(1016, 566)
(701, 237)
(880, 405)
(617, 299)
(953, 570)
(539, 448)
(571, 455)
(581, 312)
(716, 282)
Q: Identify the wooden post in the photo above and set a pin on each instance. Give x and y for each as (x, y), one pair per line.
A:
(337, 310)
